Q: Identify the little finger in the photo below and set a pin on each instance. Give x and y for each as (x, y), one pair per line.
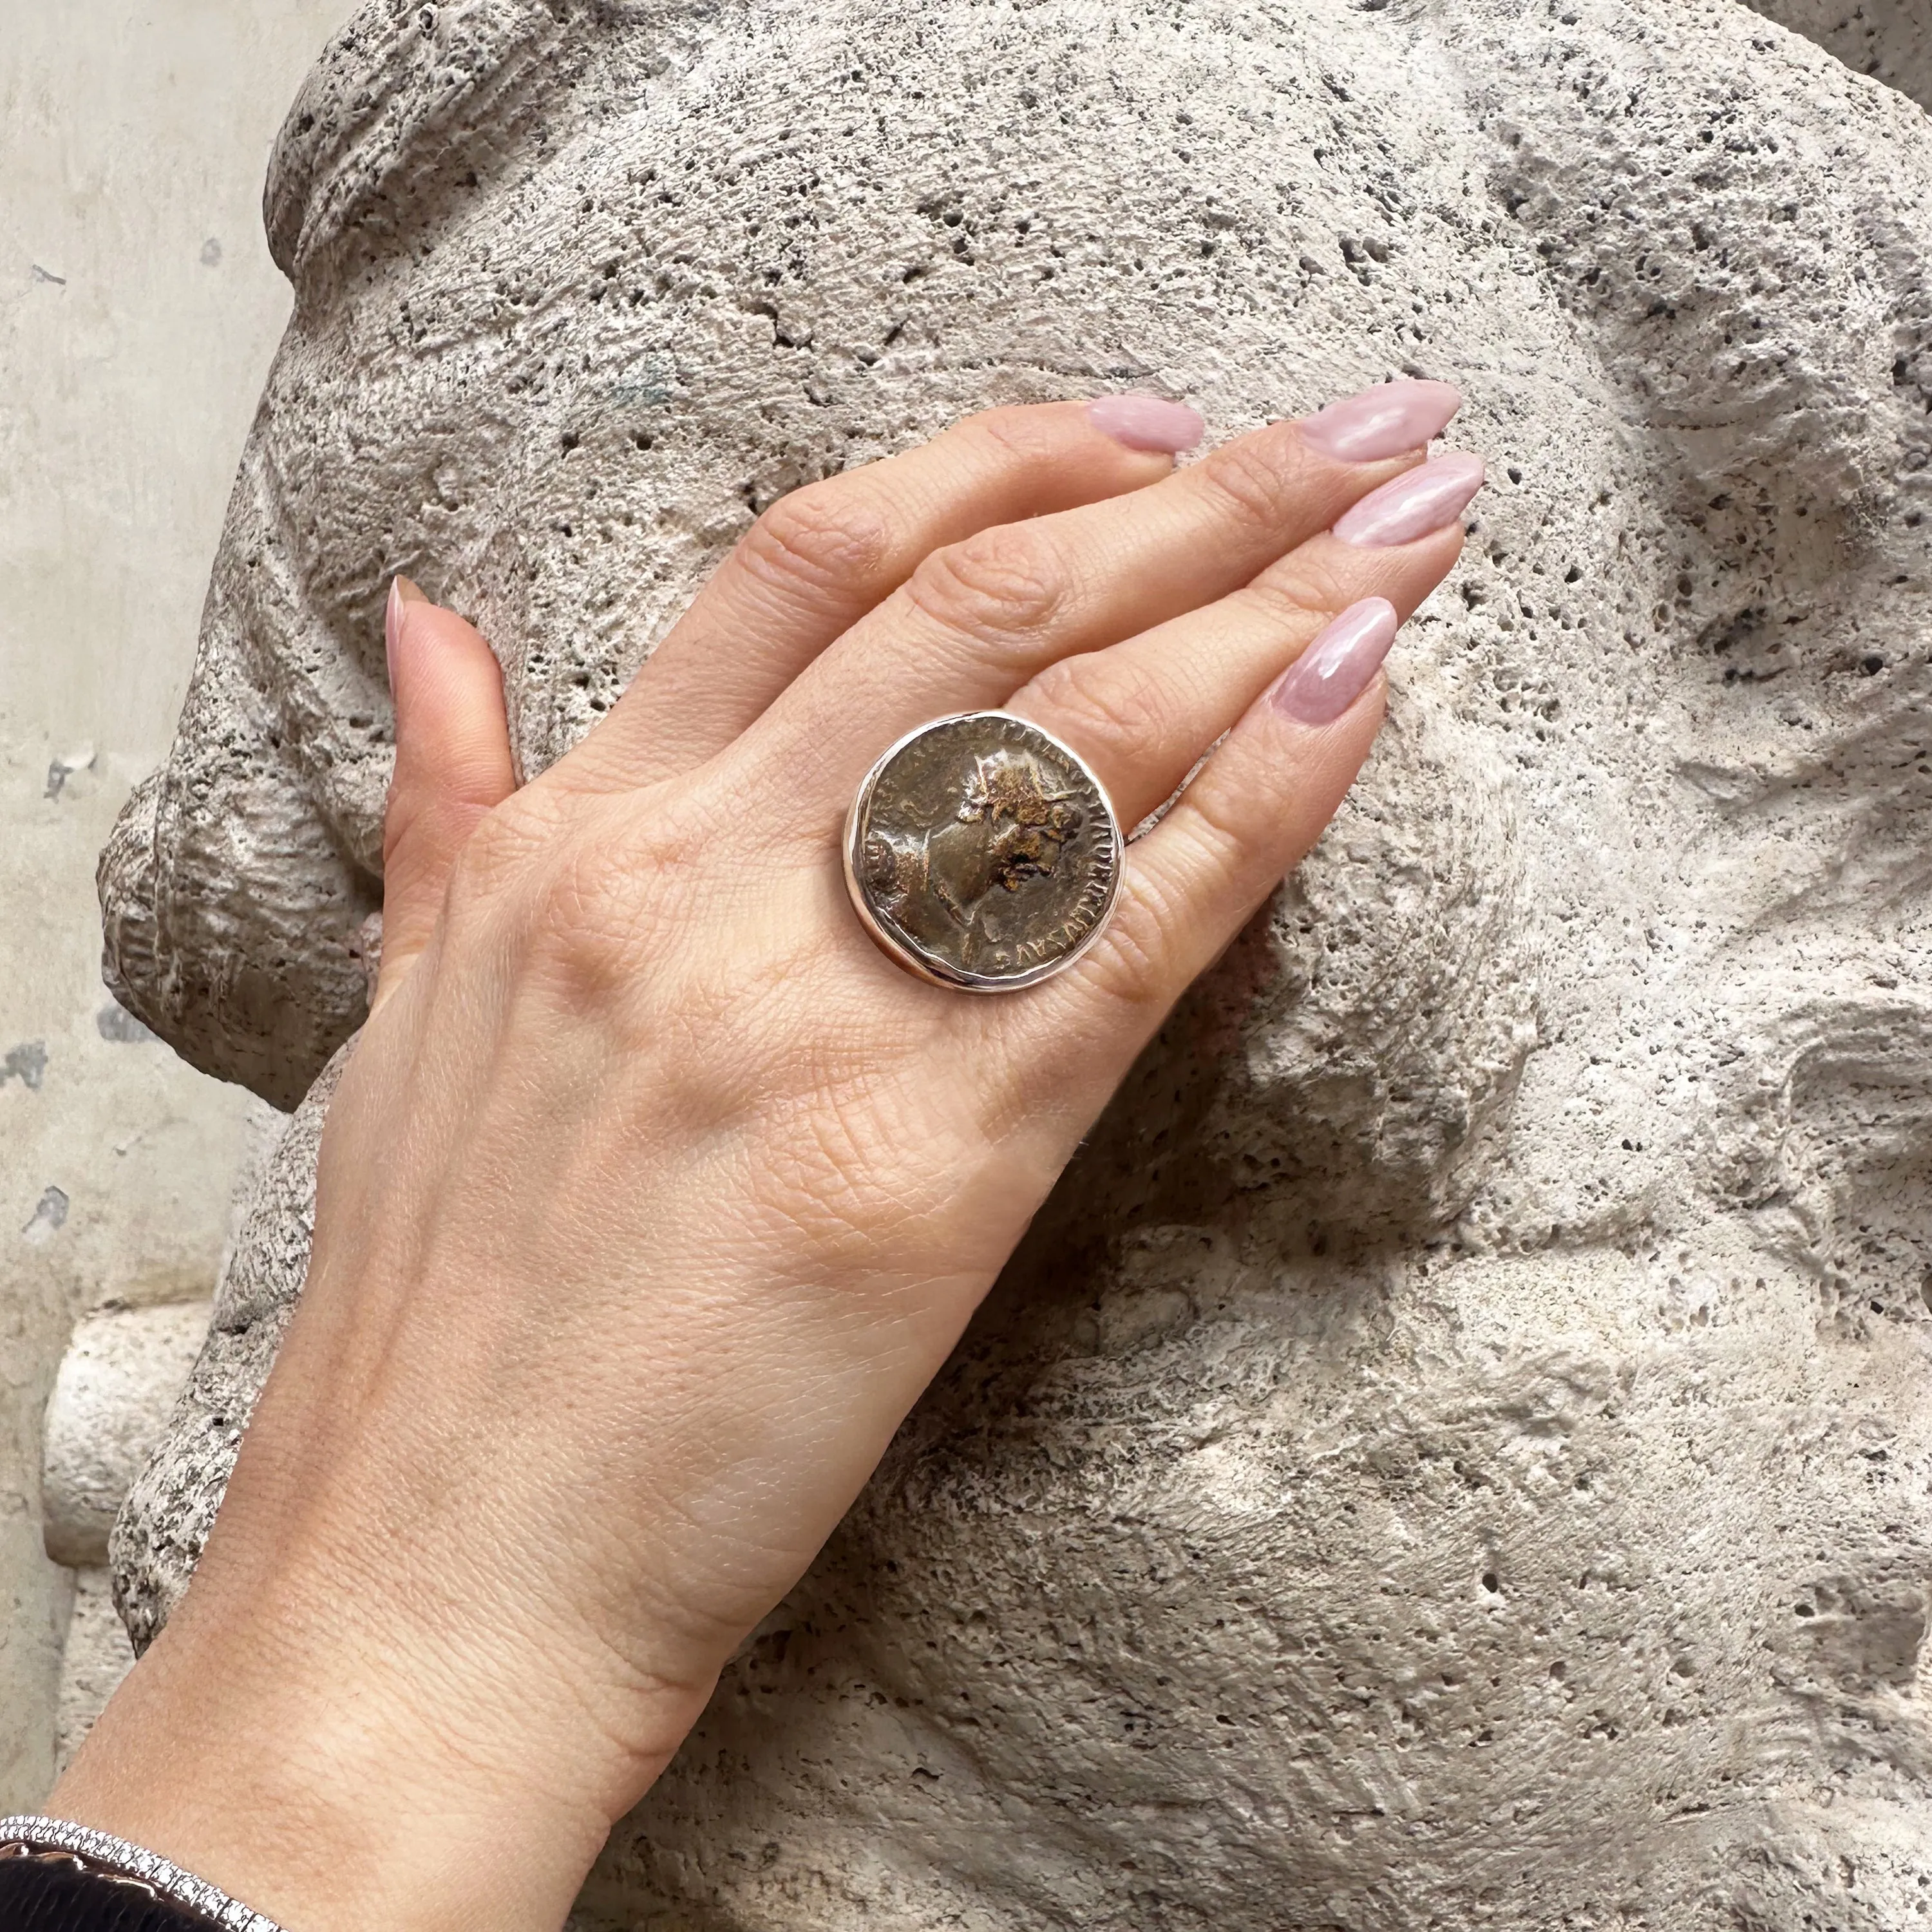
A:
(1142, 713)
(1252, 815)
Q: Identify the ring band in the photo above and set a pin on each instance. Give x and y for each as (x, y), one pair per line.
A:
(981, 853)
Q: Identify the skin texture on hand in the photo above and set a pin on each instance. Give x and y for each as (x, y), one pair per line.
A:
(634, 1071)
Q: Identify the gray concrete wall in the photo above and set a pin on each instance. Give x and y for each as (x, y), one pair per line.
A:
(138, 312)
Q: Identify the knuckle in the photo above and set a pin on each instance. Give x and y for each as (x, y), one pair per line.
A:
(1128, 968)
(1020, 435)
(1219, 834)
(1300, 587)
(1106, 707)
(1254, 484)
(824, 537)
(584, 913)
(579, 937)
(1002, 583)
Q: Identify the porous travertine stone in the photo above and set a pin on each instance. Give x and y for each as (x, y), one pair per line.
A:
(138, 312)
(1891, 40)
(123, 1371)
(117, 1383)
(95, 1658)
(1455, 1449)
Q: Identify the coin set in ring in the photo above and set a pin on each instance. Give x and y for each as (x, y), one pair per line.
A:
(981, 853)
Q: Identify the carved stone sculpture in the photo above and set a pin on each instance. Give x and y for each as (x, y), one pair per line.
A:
(1455, 1451)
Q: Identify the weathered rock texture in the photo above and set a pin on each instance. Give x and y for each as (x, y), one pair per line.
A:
(1455, 1449)
(123, 1373)
(1891, 40)
(95, 1656)
(138, 311)
(110, 1409)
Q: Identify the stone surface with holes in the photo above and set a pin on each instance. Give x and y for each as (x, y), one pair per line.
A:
(1454, 1449)
(1890, 40)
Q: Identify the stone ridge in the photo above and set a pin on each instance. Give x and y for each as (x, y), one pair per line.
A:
(1889, 39)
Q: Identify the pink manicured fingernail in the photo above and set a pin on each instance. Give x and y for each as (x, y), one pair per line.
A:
(1147, 422)
(1417, 504)
(1381, 422)
(1336, 669)
(402, 592)
(392, 626)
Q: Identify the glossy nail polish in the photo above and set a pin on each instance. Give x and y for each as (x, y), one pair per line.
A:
(1147, 422)
(1385, 421)
(402, 592)
(1337, 668)
(1417, 504)
(392, 626)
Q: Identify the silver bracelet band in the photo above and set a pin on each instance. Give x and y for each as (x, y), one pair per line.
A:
(125, 1861)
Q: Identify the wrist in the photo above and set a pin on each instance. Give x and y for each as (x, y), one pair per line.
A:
(333, 1788)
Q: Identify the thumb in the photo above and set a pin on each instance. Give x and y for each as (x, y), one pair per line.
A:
(453, 767)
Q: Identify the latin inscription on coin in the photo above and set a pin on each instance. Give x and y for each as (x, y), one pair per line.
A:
(982, 853)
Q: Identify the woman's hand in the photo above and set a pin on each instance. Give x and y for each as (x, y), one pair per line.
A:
(653, 1194)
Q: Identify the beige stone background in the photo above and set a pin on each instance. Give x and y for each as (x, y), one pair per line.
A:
(138, 312)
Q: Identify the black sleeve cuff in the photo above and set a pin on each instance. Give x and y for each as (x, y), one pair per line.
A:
(53, 1891)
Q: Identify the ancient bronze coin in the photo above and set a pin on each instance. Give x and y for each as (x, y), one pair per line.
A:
(981, 853)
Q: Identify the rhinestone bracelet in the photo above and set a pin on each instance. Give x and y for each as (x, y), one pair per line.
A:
(118, 1858)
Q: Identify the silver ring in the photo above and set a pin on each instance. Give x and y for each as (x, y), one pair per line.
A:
(981, 853)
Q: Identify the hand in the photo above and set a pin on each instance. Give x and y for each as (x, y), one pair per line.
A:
(653, 1194)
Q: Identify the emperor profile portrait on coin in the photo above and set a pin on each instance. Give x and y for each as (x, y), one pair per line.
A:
(982, 853)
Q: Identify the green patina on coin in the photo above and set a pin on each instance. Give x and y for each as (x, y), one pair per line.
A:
(982, 853)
